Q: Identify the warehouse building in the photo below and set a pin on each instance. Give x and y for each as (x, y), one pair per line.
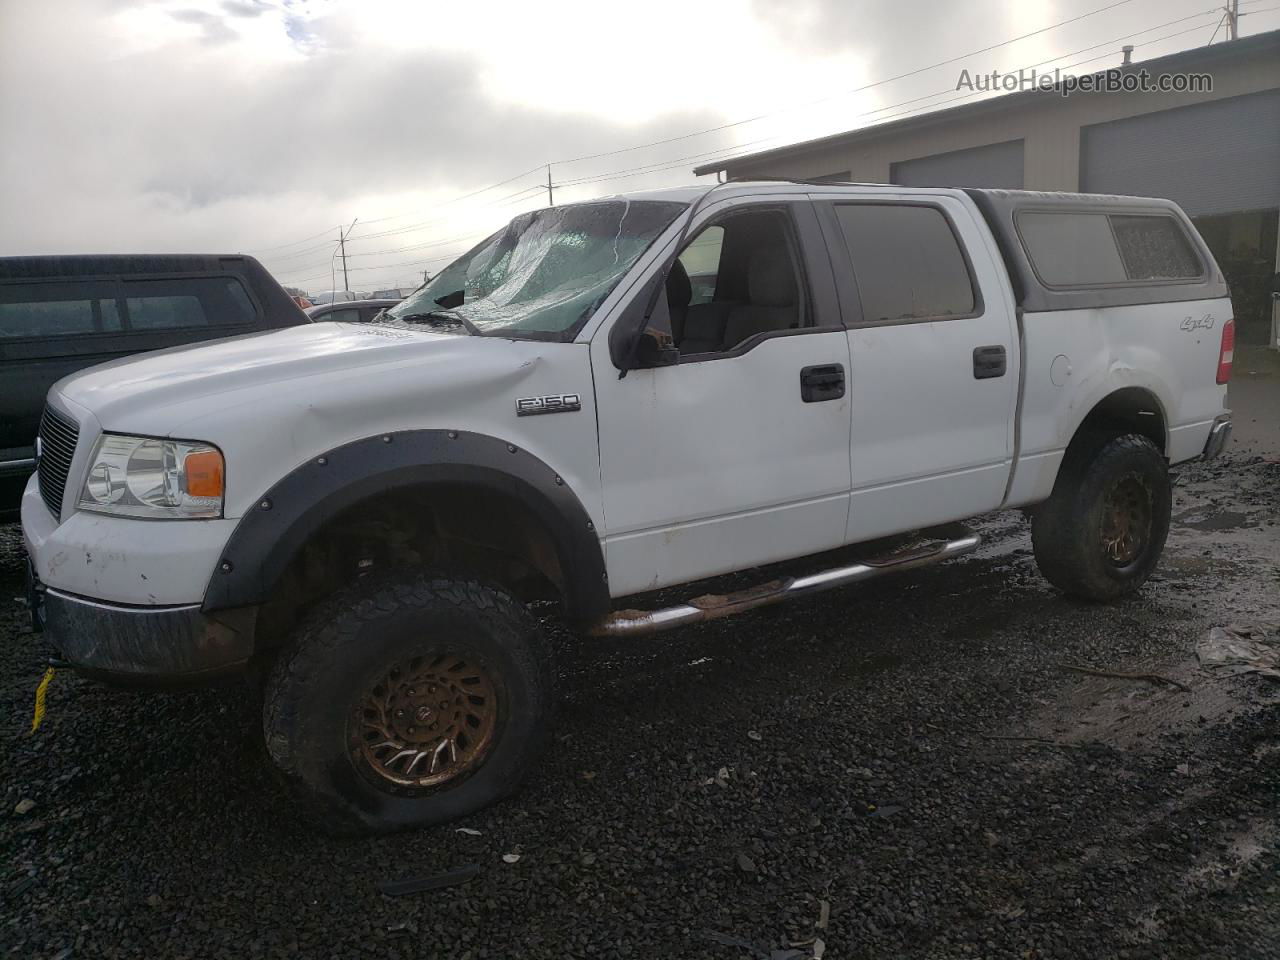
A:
(1217, 153)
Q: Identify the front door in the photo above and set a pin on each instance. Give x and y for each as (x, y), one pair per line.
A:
(934, 360)
(739, 454)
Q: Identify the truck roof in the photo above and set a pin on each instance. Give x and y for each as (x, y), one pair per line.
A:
(1001, 209)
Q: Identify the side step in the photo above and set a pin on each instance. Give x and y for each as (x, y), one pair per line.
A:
(632, 623)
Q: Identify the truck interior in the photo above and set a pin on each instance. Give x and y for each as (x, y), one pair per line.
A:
(737, 278)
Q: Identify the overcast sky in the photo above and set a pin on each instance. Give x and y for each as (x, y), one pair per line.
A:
(260, 125)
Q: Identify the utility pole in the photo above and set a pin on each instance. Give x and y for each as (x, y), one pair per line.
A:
(342, 246)
(551, 197)
(1233, 19)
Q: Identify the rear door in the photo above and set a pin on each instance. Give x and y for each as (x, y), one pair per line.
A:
(933, 350)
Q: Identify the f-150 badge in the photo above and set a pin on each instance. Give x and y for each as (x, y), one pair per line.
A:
(556, 403)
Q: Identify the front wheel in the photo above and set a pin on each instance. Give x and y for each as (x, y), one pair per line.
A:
(408, 701)
(1101, 532)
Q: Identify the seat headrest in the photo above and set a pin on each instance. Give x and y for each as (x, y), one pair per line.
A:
(771, 281)
(679, 289)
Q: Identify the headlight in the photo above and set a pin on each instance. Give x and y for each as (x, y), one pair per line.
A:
(147, 477)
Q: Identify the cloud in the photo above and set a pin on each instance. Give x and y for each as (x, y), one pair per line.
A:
(216, 125)
(214, 28)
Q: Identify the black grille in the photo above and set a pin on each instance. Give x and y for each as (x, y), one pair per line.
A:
(57, 445)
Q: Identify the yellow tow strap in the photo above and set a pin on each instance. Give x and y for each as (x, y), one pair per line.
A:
(42, 693)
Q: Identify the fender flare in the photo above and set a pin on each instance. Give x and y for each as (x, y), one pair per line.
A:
(271, 533)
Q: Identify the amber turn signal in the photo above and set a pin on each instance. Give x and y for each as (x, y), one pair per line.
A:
(204, 473)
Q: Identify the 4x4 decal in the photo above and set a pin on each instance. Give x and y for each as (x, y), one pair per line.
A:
(1204, 323)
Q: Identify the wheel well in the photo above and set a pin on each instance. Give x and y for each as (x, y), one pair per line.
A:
(462, 529)
(1129, 410)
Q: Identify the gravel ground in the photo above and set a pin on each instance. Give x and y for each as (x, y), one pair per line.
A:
(910, 752)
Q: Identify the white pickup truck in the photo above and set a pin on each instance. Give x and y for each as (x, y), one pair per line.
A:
(600, 400)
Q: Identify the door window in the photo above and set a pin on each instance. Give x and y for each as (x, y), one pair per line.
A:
(701, 261)
(907, 261)
(736, 280)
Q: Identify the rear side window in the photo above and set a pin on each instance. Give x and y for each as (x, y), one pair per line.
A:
(1071, 249)
(907, 261)
(1096, 249)
(57, 309)
(1155, 248)
(175, 304)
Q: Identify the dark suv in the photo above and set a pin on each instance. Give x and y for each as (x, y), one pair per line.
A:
(61, 314)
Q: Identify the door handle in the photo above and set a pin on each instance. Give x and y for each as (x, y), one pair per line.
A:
(989, 362)
(824, 381)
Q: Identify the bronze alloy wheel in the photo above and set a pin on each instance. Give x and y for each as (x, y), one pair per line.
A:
(1126, 520)
(427, 722)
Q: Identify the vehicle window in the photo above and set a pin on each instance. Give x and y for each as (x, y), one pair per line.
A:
(735, 280)
(1071, 249)
(1155, 248)
(150, 313)
(907, 261)
(701, 261)
(545, 273)
(57, 309)
(349, 315)
(179, 303)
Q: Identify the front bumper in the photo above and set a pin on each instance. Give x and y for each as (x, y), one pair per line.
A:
(1219, 434)
(157, 645)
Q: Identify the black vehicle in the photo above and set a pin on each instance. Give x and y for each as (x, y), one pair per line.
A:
(62, 314)
(350, 311)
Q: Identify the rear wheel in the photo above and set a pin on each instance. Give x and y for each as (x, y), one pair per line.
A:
(408, 701)
(1101, 533)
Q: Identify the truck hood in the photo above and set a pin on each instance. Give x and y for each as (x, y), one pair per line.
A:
(274, 400)
(143, 384)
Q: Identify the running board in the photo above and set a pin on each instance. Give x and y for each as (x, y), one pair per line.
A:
(632, 623)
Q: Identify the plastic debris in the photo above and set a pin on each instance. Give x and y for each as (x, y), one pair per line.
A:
(469, 831)
(754, 735)
(450, 878)
(42, 693)
(511, 858)
(24, 806)
(886, 811)
(824, 914)
(1242, 648)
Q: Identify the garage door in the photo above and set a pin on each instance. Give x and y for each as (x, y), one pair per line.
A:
(997, 165)
(1216, 157)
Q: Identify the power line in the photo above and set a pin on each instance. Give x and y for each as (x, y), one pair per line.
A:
(868, 86)
(738, 123)
(968, 96)
(660, 166)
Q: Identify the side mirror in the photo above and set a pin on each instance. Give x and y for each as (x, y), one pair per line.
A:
(636, 344)
(656, 350)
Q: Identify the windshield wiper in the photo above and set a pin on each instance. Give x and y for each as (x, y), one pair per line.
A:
(439, 318)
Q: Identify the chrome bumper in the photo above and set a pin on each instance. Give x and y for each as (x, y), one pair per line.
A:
(1219, 434)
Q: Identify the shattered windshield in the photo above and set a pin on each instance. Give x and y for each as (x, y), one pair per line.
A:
(544, 274)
